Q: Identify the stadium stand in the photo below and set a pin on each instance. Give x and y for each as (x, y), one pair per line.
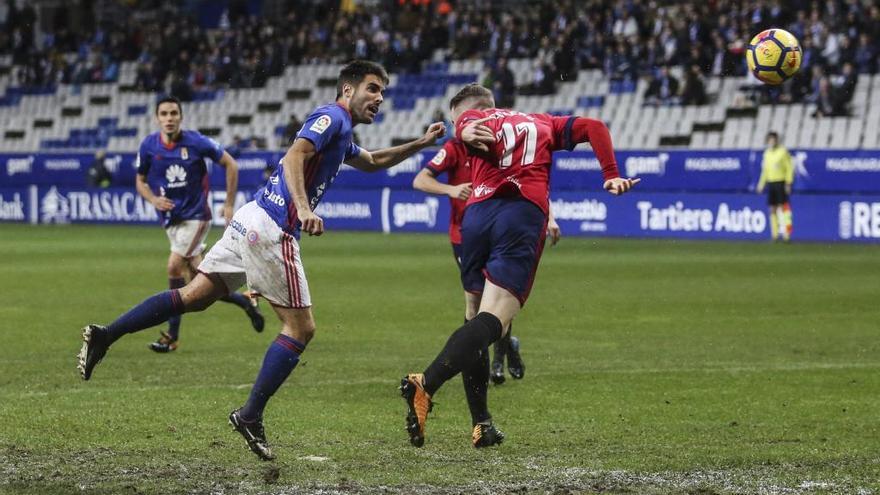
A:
(241, 77)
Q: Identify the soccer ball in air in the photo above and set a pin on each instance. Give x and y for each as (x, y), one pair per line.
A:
(773, 56)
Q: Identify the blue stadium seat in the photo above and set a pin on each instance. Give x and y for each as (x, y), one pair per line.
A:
(125, 132)
(137, 110)
(108, 121)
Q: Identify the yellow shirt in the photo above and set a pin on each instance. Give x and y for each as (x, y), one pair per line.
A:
(776, 167)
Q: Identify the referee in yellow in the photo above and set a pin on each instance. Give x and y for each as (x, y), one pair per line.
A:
(777, 173)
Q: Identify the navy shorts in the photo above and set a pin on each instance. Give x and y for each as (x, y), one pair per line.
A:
(456, 253)
(502, 240)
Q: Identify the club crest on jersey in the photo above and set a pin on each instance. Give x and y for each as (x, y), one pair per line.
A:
(321, 124)
(253, 237)
(483, 190)
(184, 154)
(439, 157)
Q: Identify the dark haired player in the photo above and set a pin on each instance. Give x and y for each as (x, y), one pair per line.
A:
(260, 246)
(452, 160)
(502, 236)
(173, 176)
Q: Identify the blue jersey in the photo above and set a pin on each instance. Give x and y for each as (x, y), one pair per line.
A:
(178, 171)
(329, 128)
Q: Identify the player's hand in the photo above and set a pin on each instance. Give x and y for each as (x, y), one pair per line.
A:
(619, 185)
(461, 191)
(435, 131)
(162, 203)
(478, 136)
(227, 213)
(788, 189)
(553, 232)
(311, 223)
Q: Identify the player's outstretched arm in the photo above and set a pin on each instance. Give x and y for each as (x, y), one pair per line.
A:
(294, 162)
(161, 203)
(426, 181)
(373, 161)
(231, 166)
(595, 132)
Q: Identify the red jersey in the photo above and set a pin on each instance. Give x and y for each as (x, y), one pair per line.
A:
(452, 159)
(518, 164)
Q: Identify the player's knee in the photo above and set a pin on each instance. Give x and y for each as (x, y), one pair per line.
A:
(302, 331)
(177, 267)
(200, 293)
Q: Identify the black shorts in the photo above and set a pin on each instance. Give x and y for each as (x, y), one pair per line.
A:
(776, 195)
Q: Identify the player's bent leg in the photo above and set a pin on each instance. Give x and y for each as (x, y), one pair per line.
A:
(298, 328)
(249, 306)
(195, 296)
(463, 349)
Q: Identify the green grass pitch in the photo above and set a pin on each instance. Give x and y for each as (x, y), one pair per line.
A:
(652, 367)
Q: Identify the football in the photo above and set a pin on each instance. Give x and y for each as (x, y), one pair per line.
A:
(773, 56)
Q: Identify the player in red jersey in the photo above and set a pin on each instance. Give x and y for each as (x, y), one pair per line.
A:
(503, 233)
(452, 160)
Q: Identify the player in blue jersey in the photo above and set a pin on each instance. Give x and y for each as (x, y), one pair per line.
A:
(173, 176)
(260, 246)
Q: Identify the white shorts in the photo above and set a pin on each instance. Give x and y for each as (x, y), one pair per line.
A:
(254, 250)
(188, 237)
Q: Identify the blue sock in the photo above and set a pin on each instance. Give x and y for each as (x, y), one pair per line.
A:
(153, 311)
(238, 299)
(281, 358)
(174, 321)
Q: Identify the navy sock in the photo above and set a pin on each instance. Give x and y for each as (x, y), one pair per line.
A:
(153, 311)
(238, 299)
(281, 358)
(462, 350)
(502, 345)
(174, 321)
(476, 388)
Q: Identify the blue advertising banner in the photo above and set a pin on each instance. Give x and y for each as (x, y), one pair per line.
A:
(825, 171)
(413, 211)
(71, 170)
(832, 171)
(715, 216)
(351, 209)
(661, 170)
(835, 171)
(17, 204)
(835, 218)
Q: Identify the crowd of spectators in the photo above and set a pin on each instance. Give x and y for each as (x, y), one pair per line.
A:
(627, 39)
